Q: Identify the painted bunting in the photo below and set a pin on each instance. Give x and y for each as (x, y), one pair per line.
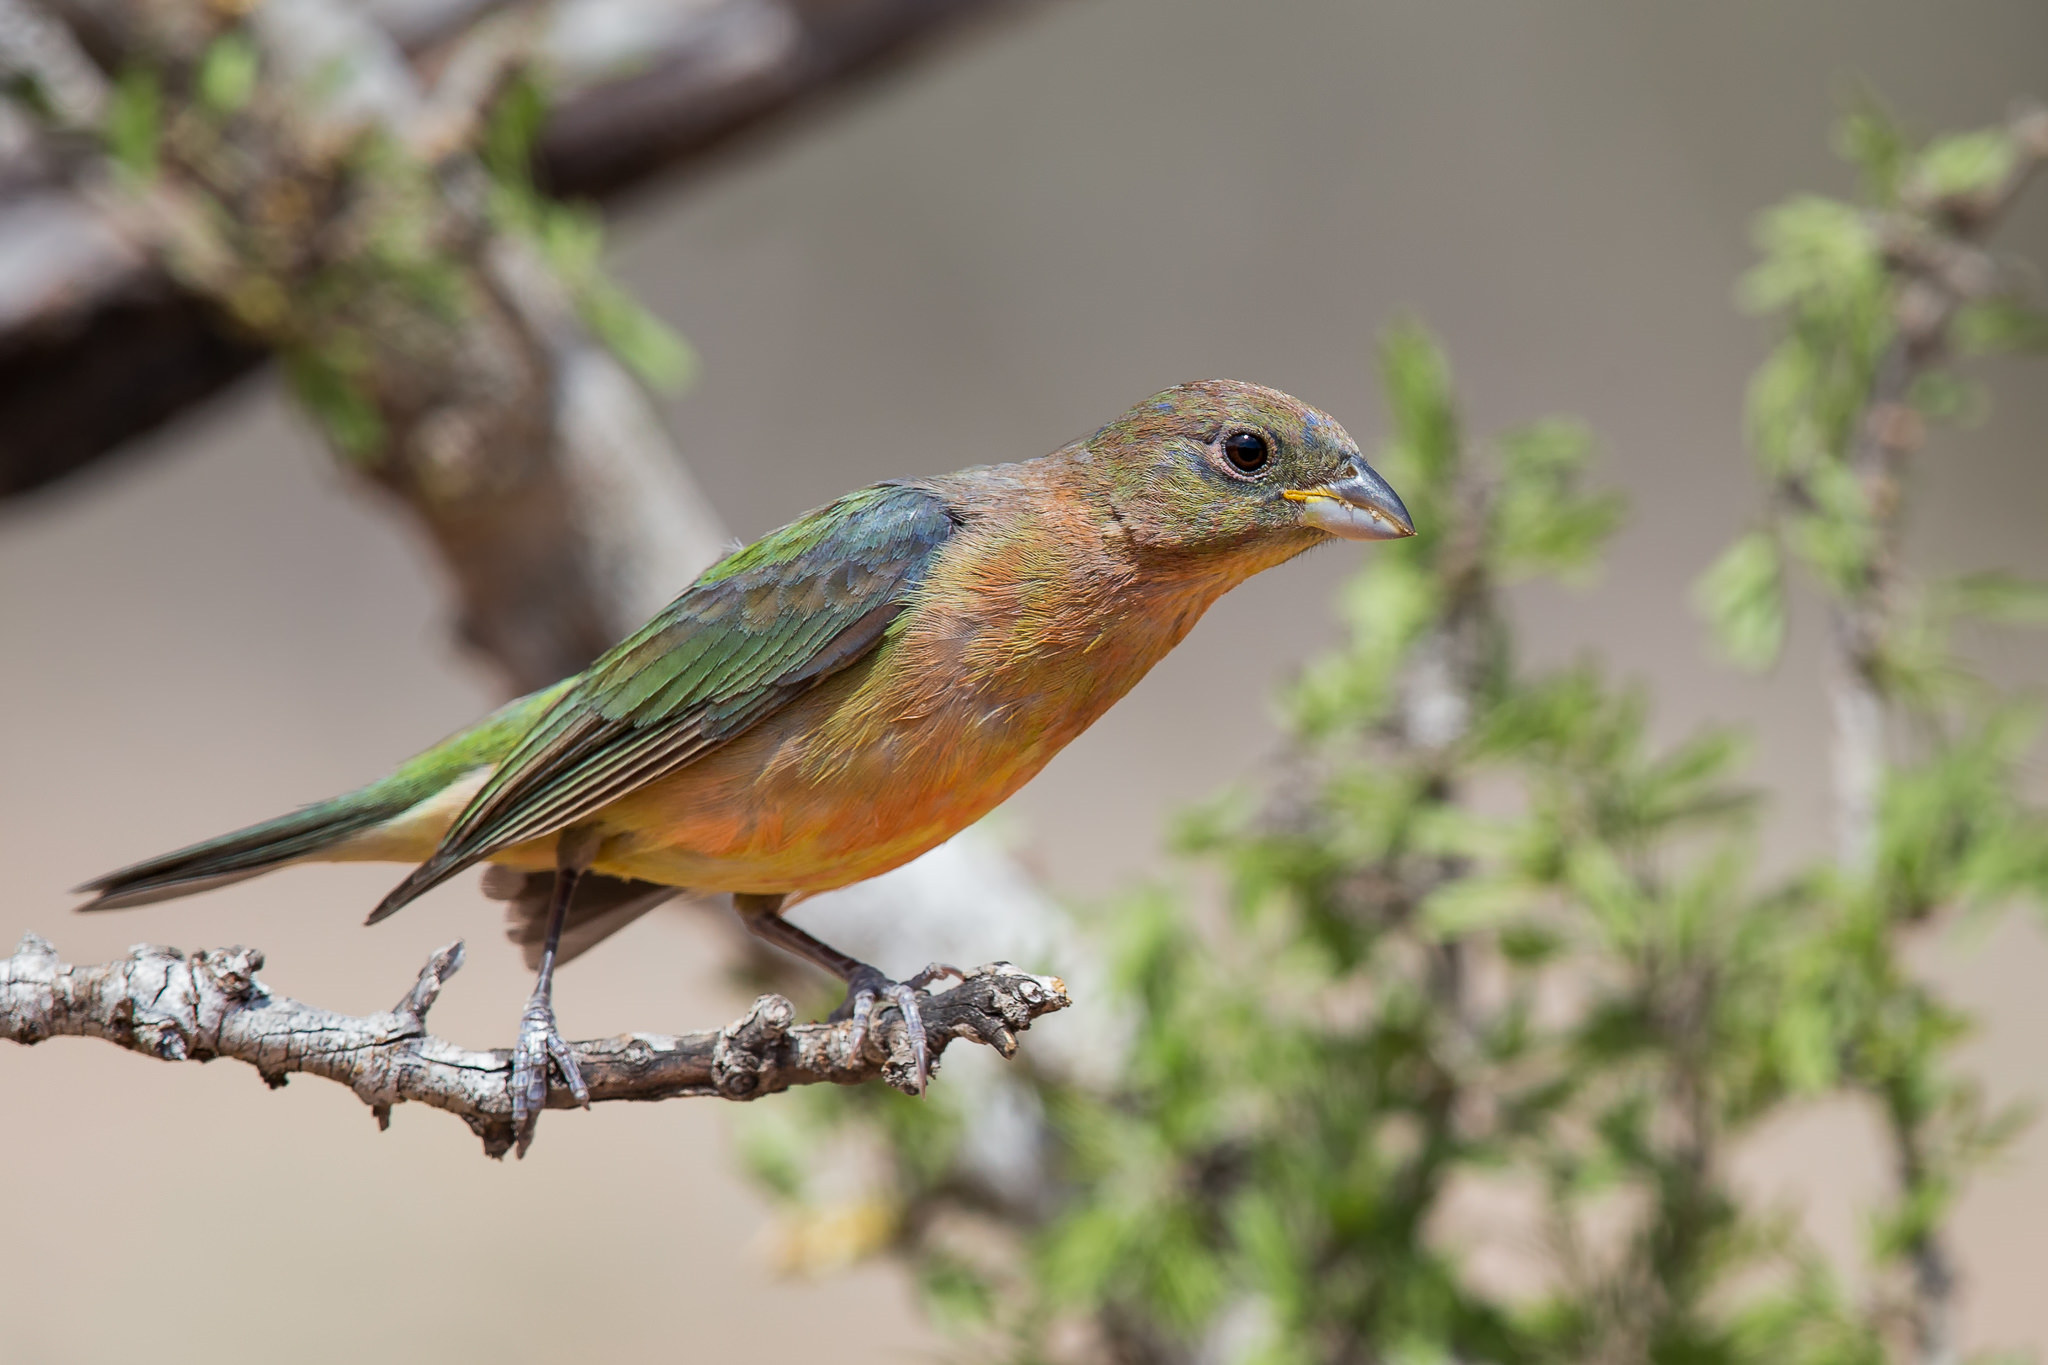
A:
(840, 696)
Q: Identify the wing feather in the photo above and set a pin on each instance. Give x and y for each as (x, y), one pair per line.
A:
(753, 633)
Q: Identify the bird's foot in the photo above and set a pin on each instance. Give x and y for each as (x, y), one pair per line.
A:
(540, 1042)
(867, 988)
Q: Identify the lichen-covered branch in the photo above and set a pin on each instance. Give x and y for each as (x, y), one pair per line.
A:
(200, 1006)
(102, 340)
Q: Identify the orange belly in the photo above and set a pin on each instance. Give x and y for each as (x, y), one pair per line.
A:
(828, 792)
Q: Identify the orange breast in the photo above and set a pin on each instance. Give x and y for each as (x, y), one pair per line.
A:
(1018, 641)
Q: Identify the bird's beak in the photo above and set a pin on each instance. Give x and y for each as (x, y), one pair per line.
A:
(1360, 506)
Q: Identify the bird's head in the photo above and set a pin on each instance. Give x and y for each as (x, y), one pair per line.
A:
(1220, 469)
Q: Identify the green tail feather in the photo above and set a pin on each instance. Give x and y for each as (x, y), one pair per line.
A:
(246, 852)
(307, 833)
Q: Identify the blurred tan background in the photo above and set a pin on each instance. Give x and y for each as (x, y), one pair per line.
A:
(981, 260)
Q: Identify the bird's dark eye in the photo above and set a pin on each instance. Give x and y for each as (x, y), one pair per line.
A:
(1247, 451)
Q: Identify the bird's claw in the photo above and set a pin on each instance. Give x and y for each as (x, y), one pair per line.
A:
(540, 1043)
(868, 987)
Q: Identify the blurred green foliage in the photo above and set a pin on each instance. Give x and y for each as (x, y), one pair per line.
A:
(357, 257)
(1879, 300)
(570, 237)
(1453, 1071)
(134, 120)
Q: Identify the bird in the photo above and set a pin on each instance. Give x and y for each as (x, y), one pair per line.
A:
(836, 698)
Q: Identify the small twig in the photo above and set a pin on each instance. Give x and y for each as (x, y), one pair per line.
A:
(1937, 259)
(197, 1007)
(1936, 256)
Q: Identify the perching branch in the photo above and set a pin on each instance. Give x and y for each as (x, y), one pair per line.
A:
(176, 1007)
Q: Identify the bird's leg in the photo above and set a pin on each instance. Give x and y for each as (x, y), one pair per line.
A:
(865, 985)
(539, 1040)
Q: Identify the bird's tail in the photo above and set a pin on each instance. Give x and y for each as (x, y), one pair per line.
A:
(245, 853)
(318, 830)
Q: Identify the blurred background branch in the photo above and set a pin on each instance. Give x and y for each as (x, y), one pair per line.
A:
(101, 339)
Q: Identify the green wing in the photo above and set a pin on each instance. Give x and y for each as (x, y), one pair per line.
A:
(754, 632)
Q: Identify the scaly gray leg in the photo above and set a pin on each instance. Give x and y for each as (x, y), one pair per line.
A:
(539, 1040)
(865, 985)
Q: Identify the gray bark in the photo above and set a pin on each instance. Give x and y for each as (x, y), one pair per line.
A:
(202, 1006)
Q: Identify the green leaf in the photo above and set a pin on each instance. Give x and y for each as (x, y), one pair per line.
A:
(647, 345)
(2001, 327)
(1870, 138)
(1944, 396)
(227, 73)
(1541, 521)
(1389, 606)
(1963, 164)
(1529, 945)
(776, 1151)
(336, 401)
(1812, 248)
(1743, 597)
(1834, 534)
(134, 122)
(511, 130)
(571, 239)
(1806, 1043)
(2001, 598)
(1469, 904)
(1417, 384)
(957, 1294)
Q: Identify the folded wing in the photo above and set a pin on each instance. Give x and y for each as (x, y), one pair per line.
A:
(756, 631)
